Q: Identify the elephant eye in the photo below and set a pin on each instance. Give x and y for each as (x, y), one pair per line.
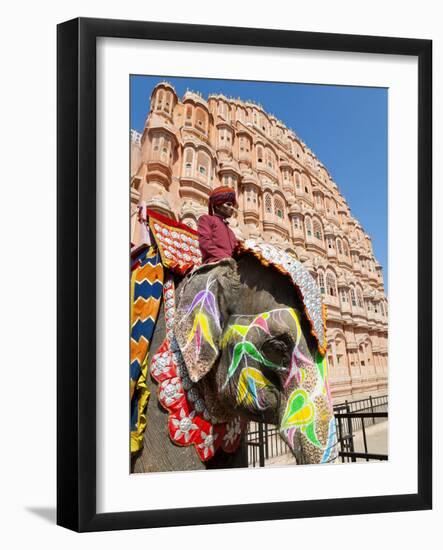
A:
(278, 349)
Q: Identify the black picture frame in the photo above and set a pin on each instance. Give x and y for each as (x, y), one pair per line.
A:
(77, 279)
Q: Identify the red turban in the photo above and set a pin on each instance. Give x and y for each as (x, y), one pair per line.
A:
(221, 195)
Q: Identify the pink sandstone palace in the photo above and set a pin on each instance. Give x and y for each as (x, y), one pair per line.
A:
(286, 197)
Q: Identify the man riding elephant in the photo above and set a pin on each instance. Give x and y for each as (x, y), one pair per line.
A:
(216, 239)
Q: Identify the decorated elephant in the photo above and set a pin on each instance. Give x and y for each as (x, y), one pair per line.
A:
(240, 340)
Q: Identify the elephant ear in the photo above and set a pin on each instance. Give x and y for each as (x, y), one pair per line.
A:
(198, 320)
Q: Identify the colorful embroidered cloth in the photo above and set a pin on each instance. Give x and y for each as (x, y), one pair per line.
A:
(177, 243)
(146, 293)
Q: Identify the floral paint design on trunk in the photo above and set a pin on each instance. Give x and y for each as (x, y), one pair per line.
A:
(308, 424)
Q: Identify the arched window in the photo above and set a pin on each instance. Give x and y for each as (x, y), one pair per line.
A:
(223, 110)
(297, 180)
(279, 207)
(317, 230)
(346, 248)
(189, 158)
(156, 144)
(269, 159)
(200, 119)
(339, 247)
(268, 203)
(297, 223)
(160, 100)
(331, 285)
(167, 106)
(344, 295)
(359, 298)
(308, 226)
(164, 152)
(321, 282)
(259, 154)
(188, 120)
(203, 165)
(353, 302)
(244, 144)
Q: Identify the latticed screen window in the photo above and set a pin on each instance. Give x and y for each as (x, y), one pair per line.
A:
(203, 164)
(223, 110)
(200, 119)
(268, 203)
(164, 150)
(346, 248)
(317, 230)
(344, 295)
(188, 120)
(167, 102)
(359, 298)
(330, 284)
(279, 209)
(339, 248)
(321, 282)
(160, 100)
(259, 154)
(188, 162)
(308, 227)
(297, 180)
(353, 302)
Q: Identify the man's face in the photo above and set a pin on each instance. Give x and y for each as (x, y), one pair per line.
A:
(225, 210)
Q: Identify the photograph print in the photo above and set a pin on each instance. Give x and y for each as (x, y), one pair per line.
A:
(258, 274)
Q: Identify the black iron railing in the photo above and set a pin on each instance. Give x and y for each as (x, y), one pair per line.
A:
(263, 441)
(352, 417)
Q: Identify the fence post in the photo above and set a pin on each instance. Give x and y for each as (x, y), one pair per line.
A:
(372, 408)
(350, 432)
(340, 436)
(365, 443)
(261, 446)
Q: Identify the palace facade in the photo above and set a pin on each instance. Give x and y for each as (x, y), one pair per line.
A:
(286, 197)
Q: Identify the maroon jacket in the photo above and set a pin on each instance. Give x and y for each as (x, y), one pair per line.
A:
(216, 239)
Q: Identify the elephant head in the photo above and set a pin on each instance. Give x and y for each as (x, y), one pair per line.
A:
(248, 344)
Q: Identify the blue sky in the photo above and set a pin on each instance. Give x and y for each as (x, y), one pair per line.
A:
(345, 127)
